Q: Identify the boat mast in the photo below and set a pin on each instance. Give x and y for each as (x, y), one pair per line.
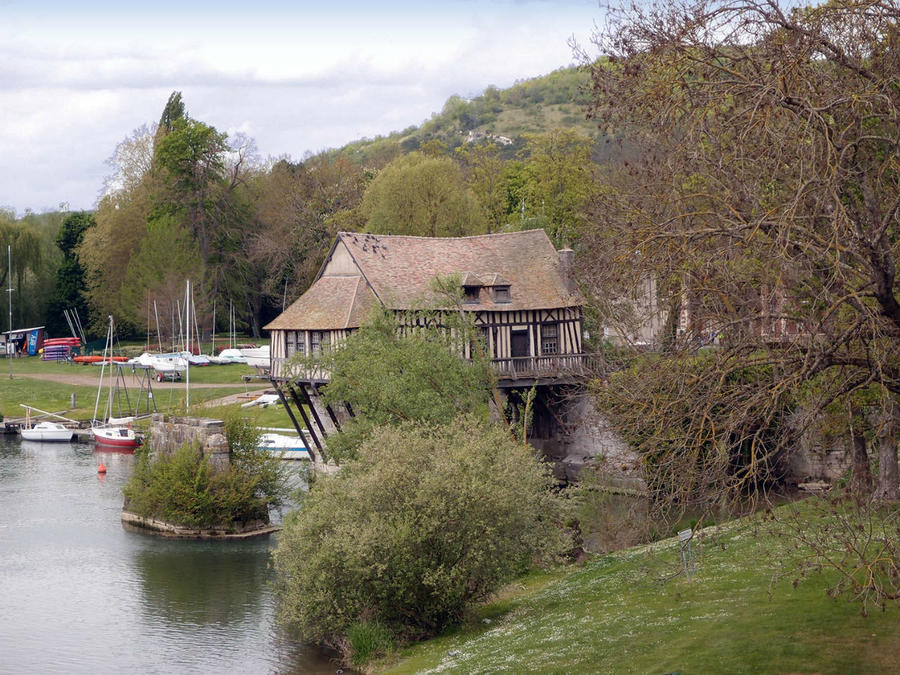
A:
(9, 292)
(187, 321)
(102, 368)
(158, 333)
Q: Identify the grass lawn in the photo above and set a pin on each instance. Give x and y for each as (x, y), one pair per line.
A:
(55, 396)
(626, 613)
(227, 374)
(49, 396)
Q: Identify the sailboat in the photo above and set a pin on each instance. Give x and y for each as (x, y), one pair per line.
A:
(111, 436)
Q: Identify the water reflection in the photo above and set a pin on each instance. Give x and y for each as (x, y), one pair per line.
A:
(201, 583)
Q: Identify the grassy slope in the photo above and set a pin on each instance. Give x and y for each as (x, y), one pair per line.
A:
(617, 615)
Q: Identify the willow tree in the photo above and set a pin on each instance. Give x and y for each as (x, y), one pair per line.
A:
(421, 195)
(766, 192)
(22, 244)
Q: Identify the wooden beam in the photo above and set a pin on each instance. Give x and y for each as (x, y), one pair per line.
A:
(309, 426)
(328, 409)
(287, 407)
(312, 409)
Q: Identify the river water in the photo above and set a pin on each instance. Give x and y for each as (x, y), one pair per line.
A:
(79, 594)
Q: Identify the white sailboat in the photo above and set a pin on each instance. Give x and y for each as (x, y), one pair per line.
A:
(44, 431)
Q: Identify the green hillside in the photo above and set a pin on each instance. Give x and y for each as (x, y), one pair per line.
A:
(631, 612)
(500, 115)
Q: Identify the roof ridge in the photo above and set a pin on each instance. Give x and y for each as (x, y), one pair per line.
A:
(468, 236)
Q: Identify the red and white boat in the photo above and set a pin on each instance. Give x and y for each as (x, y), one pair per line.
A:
(119, 437)
(116, 437)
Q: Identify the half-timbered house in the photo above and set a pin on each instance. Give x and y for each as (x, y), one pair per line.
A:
(517, 286)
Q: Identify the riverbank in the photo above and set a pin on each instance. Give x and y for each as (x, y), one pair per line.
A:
(631, 612)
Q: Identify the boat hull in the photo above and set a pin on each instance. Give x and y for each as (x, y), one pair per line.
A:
(283, 447)
(117, 438)
(48, 434)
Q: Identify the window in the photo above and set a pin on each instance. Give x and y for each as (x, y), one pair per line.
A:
(301, 342)
(290, 342)
(550, 338)
(501, 293)
(319, 340)
(471, 294)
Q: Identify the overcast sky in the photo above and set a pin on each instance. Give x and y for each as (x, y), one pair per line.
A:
(76, 78)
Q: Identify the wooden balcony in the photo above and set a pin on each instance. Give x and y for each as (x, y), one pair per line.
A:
(511, 372)
(527, 370)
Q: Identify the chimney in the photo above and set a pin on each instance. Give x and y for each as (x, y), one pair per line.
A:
(567, 268)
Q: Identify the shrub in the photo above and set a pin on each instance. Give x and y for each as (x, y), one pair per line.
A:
(425, 521)
(184, 489)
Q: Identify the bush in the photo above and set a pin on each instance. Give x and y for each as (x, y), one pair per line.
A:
(425, 521)
(184, 489)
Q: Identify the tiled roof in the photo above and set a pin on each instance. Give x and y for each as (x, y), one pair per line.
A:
(331, 303)
(400, 268)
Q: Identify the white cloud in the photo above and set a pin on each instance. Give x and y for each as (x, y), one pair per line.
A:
(76, 78)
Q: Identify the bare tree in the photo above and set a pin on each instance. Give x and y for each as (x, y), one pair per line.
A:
(765, 199)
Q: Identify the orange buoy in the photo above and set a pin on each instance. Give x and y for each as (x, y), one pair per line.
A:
(101, 468)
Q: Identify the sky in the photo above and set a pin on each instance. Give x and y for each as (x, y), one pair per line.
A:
(77, 78)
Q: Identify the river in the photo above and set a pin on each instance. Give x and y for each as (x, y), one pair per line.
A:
(79, 594)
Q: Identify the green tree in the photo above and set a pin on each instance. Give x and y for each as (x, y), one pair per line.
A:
(298, 209)
(485, 173)
(157, 271)
(767, 186)
(391, 375)
(172, 112)
(70, 291)
(21, 238)
(191, 159)
(559, 181)
(427, 520)
(425, 196)
(121, 225)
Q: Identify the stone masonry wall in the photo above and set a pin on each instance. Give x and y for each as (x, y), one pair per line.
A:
(168, 433)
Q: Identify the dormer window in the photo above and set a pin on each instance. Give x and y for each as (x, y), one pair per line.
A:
(501, 294)
(471, 294)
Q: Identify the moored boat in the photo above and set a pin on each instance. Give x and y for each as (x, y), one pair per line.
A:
(47, 432)
(116, 437)
(283, 447)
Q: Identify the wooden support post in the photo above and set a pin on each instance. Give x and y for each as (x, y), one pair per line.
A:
(312, 409)
(328, 409)
(309, 426)
(290, 413)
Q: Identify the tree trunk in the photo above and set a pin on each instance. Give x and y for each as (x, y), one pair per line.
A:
(861, 476)
(888, 478)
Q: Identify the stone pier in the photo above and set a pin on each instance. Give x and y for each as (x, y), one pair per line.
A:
(168, 433)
